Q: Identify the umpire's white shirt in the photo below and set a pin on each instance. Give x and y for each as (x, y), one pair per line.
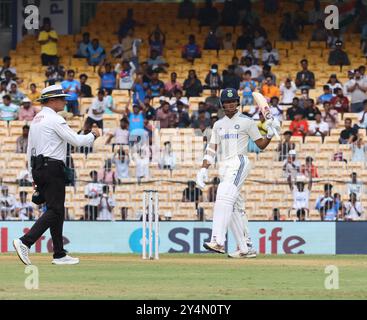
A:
(49, 134)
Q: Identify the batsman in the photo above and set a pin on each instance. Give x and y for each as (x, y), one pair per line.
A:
(228, 143)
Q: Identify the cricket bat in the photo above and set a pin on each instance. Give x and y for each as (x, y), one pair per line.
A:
(262, 103)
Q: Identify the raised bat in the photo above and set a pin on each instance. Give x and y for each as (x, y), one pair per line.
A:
(261, 101)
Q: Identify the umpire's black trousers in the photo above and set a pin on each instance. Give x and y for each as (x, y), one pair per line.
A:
(50, 180)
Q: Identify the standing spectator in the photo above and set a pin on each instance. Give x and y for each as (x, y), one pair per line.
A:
(108, 77)
(191, 51)
(339, 102)
(186, 10)
(72, 88)
(148, 111)
(7, 204)
(156, 86)
(327, 206)
(141, 156)
(357, 87)
(54, 73)
(311, 110)
(288, 29)
(157, 40)
(348, 135)
(319, 33)
(168, 157)
(121, 134)
(22, 141)
(269, 89)
(192, 85)
(294, 109)
(27, 111)
(213, 79)
(121, 161)
(326, 96)
(359, 151)
(305, 78)
(338, 57)
(96, 110)
(228, 43)
(212, 42)
(291, 167)
(208, 14)
(48, 39)
(125, 72)
(299, 126)
(247, 86)
(135, 118)
(172, 85)
(355, 186)
(23, 208)
(82, 46)
(165, 116)
(127, 23)
(270, 56)
(309, 170)
(230, 78)
(319, 127)
(301, 196)
(96, 53)
(353, 209)
(287, 91)
(8, 110)
(106, 175)
(275, 109)
(139, 88)
(16, 95)
(285, 145)
(106, 205)
(85, 89)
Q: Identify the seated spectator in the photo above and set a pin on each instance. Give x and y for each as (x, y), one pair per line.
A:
(165, 116)
(309, 170)
(156, 86)
(269, 89)
(252, 53)
(230, 78)
(291, 167)
(288, 29)
(87, 128)
(208, 14)
(294, 109)
(259, 40)
(362, 118)
(22, 141)
(8, 79)
(355, 186)
(305, 78)
(172, 85)
(108, 77)
(327, 206)
(213, 80)
(191, 51)
(311, 110)
(16, 95)
(157, 40)
(95, 53)
(301, 196)
(244, 38)
(156, 63)
(201, 121)
(8, 110)
(27, 111)
(287, 91)
(254, 68)
(23, 208)
(330, 115)
(106, 175)
(285, 145)
(85, 89)
(192, 193)
(183, 118)
(357, 88)
(121, 161)
(125, 72)
(359, 151)
(326, 96)
(228, 43)
(72, 88)
(186, 10)
(319, 127)
(54, 73)
(348, 135)
(213, 102)
(212, 192)
(34, 94)
(82, 46)
(7, 204)
(106, 205)
(270, 56)
(353, 209)
(319, 33)
(266, 72)
(338, 57)
(24, 178)
(148, 111)
(168, 157)
(299, 126)
(212, 42)
(121, 134)
(3, 90)
(48, 39)
(304, 99)
(275, 109)
(7, 67)
(96, 110)
(237, 67)
(192, 85)
(334, 84)
(247, 86)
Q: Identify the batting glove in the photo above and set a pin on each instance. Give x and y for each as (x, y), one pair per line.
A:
(201, 177)
(273, 127)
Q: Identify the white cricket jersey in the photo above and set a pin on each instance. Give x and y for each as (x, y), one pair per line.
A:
(49, 134)
(232, 135)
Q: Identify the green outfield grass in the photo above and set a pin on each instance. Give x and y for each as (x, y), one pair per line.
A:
(177, 276)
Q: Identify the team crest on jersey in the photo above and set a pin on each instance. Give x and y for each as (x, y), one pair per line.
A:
(237, 126)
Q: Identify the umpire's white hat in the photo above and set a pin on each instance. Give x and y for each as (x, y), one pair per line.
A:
(54, 91)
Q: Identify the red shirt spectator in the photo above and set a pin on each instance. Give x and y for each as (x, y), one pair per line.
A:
(299, 126)
(340, 102)
(166, 117)
(309, 169)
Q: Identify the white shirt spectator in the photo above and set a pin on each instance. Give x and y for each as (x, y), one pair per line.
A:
(364, 123)
(276, 113)
(121, 136)
(356, 188)
(141, 155)
(94, 190)
(287, 94)
(24, 209)
(253, 54)
(301, 199)
(255, 70)
(358, 153)
(271, 57)
(104, 212)
(353, 212)
(334, 86)
(322, 126)
(357, 95)
(99, 106)
(126, 77)
(291, 169)
(7, 204)
(168, 160)
(122, 167)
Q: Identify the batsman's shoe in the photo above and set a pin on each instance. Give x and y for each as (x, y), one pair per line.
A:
(215, 247)
(65, 260)
(240, 255)
(22, 251)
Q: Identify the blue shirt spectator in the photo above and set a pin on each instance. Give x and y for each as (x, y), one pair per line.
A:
(156, 86)
(96, 53)
(83, 45)
(327, 205)
(108, 77)
(136, 119)
(72, 87)
(326, 96)
(8, 110)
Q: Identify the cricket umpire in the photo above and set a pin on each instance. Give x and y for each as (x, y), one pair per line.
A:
(46, 155)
